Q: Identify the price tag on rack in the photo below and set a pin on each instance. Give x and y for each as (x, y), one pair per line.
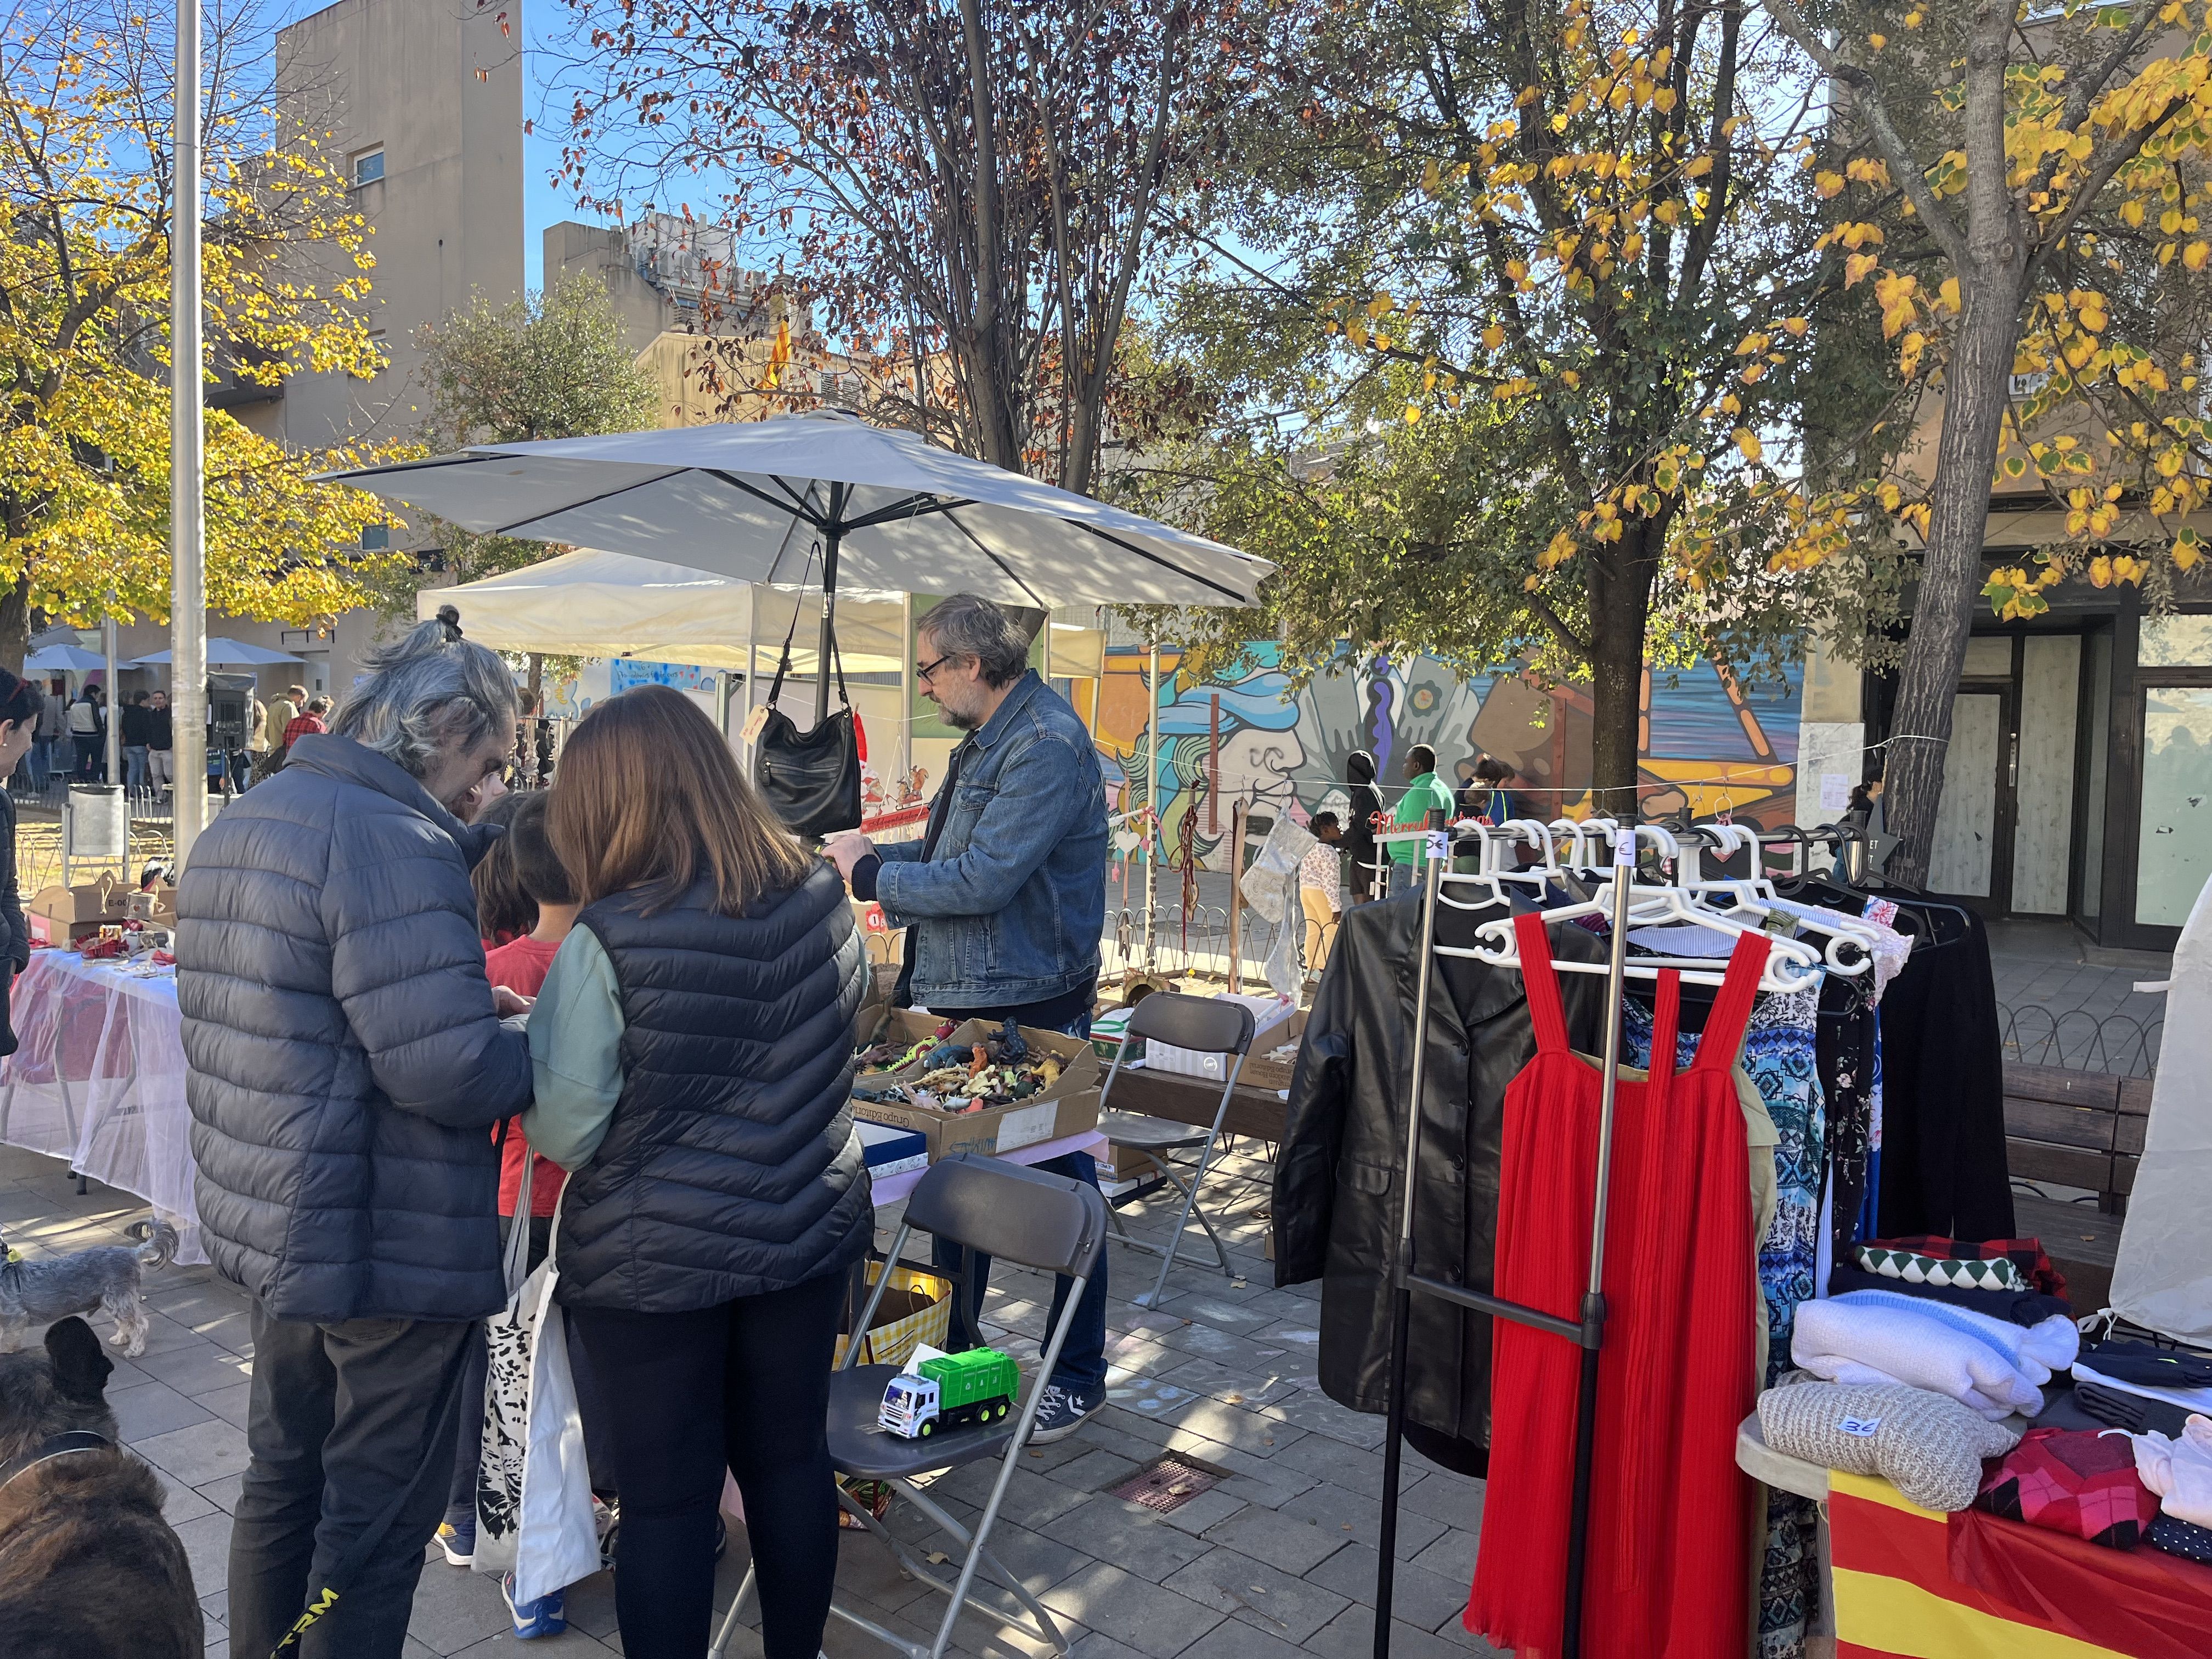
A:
(1624, 848)
(1437, 845)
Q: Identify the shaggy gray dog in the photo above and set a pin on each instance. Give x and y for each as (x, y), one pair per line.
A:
(33, 1293)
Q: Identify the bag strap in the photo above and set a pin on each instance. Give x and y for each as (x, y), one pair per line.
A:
(798, 604)
(837, 656)
(348, 1566)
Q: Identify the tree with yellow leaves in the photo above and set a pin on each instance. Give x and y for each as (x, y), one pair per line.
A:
(2020, 187)
(1564, 260)
(84, 304)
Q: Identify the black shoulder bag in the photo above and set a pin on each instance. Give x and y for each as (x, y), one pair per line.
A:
(810, 780)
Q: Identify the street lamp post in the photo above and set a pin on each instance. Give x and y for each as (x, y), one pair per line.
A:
(187, 532)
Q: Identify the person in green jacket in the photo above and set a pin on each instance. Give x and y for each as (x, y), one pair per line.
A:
(1423, 793)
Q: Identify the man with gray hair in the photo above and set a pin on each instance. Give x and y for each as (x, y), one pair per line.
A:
(1004, 898)
(346, 1064)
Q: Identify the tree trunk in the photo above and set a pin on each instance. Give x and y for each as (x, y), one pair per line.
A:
(534, 692)
(1620, 604)
(15, 625)
(1976, 385)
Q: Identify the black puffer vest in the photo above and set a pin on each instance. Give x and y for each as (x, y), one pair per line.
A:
(730, 1168)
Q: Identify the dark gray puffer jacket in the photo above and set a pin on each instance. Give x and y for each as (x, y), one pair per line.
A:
(730, 1167)
(345, 1062)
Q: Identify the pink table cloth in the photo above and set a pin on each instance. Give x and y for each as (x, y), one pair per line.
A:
(99, 1079)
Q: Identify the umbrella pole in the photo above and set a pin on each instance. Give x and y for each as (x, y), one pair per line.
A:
(1151, 803)
(829, 541)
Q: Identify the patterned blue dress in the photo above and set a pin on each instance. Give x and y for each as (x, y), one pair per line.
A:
(1778, 1055)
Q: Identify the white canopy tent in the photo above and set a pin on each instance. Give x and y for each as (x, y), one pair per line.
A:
(610, 605)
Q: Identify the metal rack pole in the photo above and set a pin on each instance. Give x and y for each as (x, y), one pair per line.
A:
(1592, 1336)
(1587, 1332)
(1401, 1295)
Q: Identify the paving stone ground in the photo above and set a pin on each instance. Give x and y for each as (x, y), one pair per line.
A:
(1277, 1560)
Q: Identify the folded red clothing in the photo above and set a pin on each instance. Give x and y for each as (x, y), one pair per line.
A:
(2025, 1254)
(2078, 1481)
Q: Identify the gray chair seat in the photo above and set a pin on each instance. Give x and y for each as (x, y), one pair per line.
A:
(1012, 1213)
(1148, 1135)
(858, 1447)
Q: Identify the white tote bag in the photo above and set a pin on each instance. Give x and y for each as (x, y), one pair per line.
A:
(533, 1488)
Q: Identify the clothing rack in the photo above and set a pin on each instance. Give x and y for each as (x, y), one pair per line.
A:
(1683, 846)
(1407, 1282)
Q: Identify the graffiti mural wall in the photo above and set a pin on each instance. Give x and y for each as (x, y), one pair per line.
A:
(1706, 741)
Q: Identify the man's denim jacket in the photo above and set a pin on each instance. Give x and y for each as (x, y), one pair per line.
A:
(1012, 899)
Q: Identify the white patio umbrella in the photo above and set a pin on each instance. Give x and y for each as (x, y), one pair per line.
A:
(752, 500)
(225, 654)
(62, 659)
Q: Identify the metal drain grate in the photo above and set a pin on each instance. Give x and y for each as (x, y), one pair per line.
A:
(1168, 1483)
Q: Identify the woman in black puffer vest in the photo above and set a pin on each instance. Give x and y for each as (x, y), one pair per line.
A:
(692, 1049)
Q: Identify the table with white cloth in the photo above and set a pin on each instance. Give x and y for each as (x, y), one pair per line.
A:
(98, 1078)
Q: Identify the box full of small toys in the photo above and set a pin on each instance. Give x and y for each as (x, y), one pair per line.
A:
(977, 1087)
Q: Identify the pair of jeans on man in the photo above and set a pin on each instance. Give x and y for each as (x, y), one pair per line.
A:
(1081, 1369)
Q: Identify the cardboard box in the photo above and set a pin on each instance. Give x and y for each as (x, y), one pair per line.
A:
(1125, 1165)
(1259, 1071)
(61, 915)
(1068, 1107)
(875, 1003)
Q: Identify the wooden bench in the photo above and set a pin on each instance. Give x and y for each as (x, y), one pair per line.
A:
(2079, 1129)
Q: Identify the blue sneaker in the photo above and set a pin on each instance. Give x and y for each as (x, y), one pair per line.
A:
(1062, 1412)
(546, 1616)
(458, 1541)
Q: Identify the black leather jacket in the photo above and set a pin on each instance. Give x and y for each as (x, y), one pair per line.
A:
(1336, 1198)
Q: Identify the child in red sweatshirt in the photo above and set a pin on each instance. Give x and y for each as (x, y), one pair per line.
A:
(522, 964)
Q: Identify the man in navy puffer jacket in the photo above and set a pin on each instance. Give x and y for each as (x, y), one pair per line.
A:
(346, 1065)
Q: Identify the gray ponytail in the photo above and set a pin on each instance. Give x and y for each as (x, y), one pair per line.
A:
(430, 693)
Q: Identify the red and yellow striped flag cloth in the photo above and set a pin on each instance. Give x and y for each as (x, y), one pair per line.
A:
(1913, 1583)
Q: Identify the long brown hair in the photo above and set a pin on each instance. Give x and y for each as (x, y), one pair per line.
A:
(649, 795)
(504, 909)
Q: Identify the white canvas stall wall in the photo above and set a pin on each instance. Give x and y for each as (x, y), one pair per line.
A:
(2043, 818)
(2163, 1279)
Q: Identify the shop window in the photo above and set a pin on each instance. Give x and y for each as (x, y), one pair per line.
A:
(2175, 642)
(2174, 852)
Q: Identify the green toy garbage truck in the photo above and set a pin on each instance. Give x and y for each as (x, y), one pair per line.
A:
(951, 1391)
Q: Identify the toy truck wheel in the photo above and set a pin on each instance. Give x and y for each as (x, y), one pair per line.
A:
(926, 1427)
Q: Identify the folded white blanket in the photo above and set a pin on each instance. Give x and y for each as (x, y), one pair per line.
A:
(2179, 1471)
(2035, 1350)
(1847, 1339)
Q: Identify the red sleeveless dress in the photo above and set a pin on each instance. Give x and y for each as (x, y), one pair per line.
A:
(1670, 1515)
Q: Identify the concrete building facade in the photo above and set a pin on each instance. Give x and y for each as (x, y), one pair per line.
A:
(420, 101)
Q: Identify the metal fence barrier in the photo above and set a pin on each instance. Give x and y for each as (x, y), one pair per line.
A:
(2119, 1044)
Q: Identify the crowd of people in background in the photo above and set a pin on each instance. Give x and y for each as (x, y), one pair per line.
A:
(1348, 865)
(69, 742)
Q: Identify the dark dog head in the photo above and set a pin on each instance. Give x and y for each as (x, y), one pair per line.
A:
(44, 1395)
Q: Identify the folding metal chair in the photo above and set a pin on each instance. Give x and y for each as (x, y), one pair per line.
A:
(1206, 1026)
(1015, 1214)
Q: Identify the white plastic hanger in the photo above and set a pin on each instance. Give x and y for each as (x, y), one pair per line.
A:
(1790, 966)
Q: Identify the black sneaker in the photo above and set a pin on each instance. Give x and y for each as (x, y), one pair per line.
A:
(1062, 1412)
